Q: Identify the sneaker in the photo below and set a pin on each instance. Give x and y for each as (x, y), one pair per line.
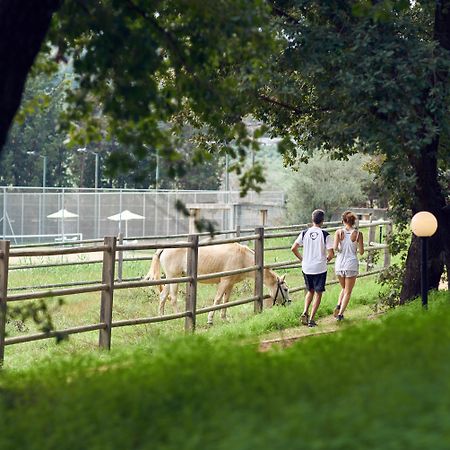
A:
(312, 324)
(304, 319)
(340, 317)
(336, 310)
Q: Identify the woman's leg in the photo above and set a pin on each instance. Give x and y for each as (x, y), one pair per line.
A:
(349, 283)
(339, 303)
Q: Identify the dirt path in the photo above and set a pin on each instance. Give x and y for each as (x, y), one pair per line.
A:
(326, 325)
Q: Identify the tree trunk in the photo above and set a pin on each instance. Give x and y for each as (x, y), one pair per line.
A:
(23, 26)
(428, 196)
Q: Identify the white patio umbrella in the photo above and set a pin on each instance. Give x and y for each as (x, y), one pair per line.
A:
(62, 214)
(125, 215)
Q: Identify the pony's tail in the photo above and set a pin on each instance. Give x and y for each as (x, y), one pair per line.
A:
(155, 270)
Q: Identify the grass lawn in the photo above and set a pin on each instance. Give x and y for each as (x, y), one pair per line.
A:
(382, 384)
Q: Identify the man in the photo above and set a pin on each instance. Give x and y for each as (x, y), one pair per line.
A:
(317, 251)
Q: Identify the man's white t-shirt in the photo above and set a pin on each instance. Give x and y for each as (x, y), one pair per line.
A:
(315, 243)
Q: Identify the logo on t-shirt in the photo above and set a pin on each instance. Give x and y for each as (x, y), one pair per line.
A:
(313, 235)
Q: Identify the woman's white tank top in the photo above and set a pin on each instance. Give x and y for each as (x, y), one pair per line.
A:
(346, 258)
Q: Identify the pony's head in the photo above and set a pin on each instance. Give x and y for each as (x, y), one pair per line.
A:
(280, 292)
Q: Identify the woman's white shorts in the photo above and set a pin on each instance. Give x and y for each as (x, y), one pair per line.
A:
(347, 273)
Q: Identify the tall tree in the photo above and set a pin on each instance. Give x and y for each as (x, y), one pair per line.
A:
(370, 77)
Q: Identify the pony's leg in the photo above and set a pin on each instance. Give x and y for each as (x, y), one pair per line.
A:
(226, 297)
(173, 297)
(219, 294)
(162, 299)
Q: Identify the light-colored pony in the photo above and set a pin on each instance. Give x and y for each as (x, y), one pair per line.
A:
(213, 259)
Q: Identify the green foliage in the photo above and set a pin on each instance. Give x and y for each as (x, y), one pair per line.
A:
(358, 77)
(391, 278)
(37, 134)
(327, 184)
(193, 393)
(379, 11)
(144, 69)
(37, 311)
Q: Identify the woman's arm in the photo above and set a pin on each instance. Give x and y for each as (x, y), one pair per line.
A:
(361, 243)
(337, 239)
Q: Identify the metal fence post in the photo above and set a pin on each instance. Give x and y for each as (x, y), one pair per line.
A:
(106, 306)
(191, 288)
(371, 239)
(4, 263)
(120, 258)
(259, 275)
(387, 253)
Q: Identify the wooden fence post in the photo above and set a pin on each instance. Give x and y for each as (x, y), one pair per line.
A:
(259, 275)
(238, 230)
(372, 232)
(106, 306)
(4, 263)
(387, 253)
(191, 288)
(120, 258)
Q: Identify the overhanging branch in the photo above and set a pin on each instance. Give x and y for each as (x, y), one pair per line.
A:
(277, 11)
(287, 106)
(171, 41)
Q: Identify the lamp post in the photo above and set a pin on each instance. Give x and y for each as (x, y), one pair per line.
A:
(424, 225)
(85, 150)
(157, 172)
(156, 155)
(97, 221)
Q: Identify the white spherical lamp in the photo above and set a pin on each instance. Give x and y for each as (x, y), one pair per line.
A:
(424, 224)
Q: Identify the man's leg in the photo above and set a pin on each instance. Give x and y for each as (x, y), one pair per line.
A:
(316, 304)
(308, 299)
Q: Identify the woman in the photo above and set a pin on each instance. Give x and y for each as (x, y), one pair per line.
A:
(347, 241)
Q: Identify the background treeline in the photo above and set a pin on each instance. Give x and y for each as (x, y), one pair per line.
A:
(37, 132)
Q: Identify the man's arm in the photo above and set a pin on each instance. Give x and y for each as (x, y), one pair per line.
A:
(294, 249)
(330, 254)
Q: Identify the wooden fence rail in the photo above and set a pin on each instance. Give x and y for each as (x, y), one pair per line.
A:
(113, 249)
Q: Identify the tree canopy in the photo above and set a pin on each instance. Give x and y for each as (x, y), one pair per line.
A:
(315, 187)
(371, 77)
(144, 70)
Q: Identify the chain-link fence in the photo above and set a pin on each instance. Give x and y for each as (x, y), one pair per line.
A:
(84, 213)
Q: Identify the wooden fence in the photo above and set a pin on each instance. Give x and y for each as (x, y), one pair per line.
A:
(113, 250)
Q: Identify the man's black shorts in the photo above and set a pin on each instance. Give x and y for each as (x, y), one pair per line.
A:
(315, 282)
